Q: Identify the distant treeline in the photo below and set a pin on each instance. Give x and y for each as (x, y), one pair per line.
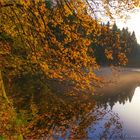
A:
(114, 37)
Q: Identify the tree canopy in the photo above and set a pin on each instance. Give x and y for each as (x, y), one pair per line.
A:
(54, 38)
(50, 49)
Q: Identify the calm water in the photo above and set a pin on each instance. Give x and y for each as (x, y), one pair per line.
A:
(125, 107)
(117, 117)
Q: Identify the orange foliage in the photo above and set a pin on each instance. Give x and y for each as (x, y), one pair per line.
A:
(56, 39)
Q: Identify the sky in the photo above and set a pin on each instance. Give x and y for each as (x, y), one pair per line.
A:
(132, 22)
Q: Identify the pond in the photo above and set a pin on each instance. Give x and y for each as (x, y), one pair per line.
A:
(129, 112)
(126, 106)
(117, 117)
(111, 114)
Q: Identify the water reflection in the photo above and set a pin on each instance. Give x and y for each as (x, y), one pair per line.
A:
(130, 113)
(111, 99)
(49, 115)
(126, 105)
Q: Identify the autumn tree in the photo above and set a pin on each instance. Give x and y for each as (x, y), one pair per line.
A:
(52, 39)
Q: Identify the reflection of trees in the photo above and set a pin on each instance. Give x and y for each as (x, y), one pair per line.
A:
(43, 114)
(120, 96)
(107, 126)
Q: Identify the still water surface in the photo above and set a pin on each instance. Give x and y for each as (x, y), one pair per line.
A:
(125, 106)
(117, 117)
(117, 113)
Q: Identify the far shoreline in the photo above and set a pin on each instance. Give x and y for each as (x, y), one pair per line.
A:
(124, 78)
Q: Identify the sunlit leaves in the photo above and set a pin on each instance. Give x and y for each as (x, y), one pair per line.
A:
(122, 58)
(109, 54)
(57, 39)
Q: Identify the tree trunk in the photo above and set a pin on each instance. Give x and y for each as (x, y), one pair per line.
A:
(2, 89)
